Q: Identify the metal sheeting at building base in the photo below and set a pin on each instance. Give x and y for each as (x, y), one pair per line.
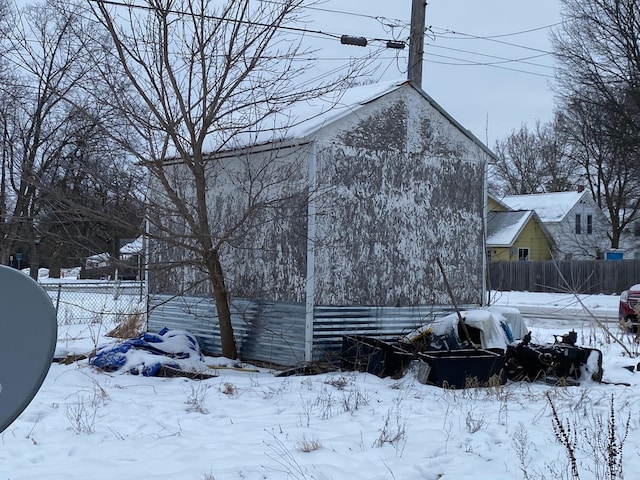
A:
(330, 324)
(274, 332)
(271, 332)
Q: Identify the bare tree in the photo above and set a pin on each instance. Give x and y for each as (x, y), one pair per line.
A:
(47, 67)
(560, 170)
(7, 122)
(90, 201)
(598, 50)
(201, 76)
(533, 161)
(65, 191)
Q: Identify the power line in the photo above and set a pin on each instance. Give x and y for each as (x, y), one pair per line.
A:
(456, 35)
(471, 63)
(502, 35)
(296, 30)
(439, 33)
(523, 60)
(468, 36)
(378, 18)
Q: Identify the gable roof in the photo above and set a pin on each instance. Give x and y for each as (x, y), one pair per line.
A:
(304, 118)
(503, 228)
(550, 207)
(493, 201)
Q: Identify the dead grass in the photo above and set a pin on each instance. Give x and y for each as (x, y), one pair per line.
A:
(305, 445)
(129, 326)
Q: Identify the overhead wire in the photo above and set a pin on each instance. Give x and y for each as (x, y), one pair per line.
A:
(439, 33)
(511, 34)
(521, 60)
(485, 64)
(468, 36)
(342, 12)
(436, 32)
(295, 30)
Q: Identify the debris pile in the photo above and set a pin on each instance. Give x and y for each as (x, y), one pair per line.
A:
(475, 348)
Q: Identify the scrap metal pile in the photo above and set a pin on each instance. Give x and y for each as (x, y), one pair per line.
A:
(476, 348)
(559, 362)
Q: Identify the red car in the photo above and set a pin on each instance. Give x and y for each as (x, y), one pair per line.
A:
(629, 300)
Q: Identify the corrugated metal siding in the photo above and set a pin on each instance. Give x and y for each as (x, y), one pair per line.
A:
(198, 316)
(274, 332)
(386, 323)
(277, 334)
(265, 331)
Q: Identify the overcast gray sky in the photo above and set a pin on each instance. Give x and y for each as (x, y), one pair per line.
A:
(488, 63)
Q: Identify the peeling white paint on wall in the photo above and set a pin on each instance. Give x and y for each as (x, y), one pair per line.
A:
(399, 185)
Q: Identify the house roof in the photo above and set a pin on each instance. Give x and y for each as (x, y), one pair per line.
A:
(132, 247)
(550, 207)
(503, 228)
(499, 203)
(129, 248)
(304, 118)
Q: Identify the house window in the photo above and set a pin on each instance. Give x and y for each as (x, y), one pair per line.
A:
(523, 254)
(578, 220)
(488, 254)
(589, 224)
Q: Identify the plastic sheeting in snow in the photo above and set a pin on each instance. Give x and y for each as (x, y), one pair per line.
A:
(498, 328)
(147, 353)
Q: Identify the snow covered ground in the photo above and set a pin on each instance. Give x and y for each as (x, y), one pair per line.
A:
(247, 423)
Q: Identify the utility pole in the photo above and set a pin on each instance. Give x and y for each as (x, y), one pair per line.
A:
(416, 42)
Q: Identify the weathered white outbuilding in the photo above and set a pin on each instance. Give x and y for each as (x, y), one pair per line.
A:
(371, 189)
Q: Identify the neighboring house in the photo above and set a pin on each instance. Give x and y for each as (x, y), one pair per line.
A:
(99, 260)
(128, 267)
(495, 205)
(517, 235)
(573, 219)
(132, 252)
(396, 184)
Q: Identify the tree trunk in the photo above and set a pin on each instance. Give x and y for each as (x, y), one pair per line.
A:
(34, 263)
(34, 256)
(615, 238)
(54, 269)
(221, 296)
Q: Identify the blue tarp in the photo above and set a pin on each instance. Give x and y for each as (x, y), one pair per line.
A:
(147, 353)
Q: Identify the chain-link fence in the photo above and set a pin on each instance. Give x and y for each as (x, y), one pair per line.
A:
(80, 302)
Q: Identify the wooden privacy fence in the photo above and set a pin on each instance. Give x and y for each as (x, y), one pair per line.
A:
(588, 276)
